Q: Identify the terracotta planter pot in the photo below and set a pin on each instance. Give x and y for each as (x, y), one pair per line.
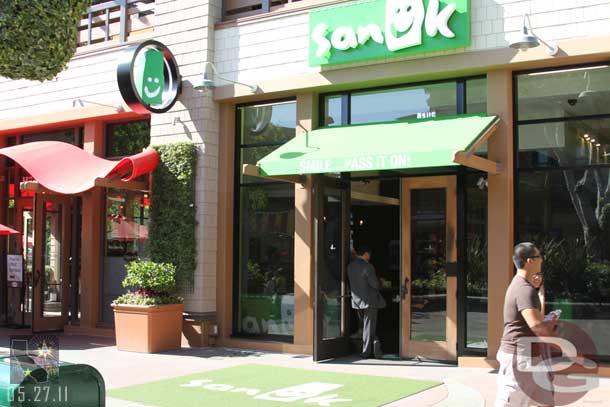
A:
(148, 328)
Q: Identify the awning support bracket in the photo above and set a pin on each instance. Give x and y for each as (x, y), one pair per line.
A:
(469, 159)
(35, 186)
(255, 171)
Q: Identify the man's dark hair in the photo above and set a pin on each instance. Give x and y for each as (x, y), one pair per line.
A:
(522, 252)
(362, 248)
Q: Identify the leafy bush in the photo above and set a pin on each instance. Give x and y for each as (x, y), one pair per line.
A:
(153, 284)
(172, 210)
(38, 37)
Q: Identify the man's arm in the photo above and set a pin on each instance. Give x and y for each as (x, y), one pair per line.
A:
(371, 277)
(535, 321)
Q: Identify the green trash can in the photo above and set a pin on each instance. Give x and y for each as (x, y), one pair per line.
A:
(77, 386)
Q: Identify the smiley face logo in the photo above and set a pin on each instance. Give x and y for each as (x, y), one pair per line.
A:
(404, 20)
(150, 79)
(152, 83)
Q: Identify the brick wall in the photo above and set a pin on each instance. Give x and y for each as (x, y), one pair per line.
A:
(264, 49)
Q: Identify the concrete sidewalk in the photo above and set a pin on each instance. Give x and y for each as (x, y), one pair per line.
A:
(471, 387)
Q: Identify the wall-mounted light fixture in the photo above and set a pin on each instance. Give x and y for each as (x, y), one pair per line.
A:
(207, 80)
(526, 39)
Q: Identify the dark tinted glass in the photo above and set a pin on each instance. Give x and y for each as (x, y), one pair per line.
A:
(127, 138)
(564, 144)
(66, 136)
(476, 261)
(266, 260)
(566, 214)
(428, 202)
(476, 95)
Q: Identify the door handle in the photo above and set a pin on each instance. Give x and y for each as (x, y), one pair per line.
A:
(405, 288)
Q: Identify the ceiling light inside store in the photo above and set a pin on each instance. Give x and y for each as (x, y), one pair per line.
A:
(598, 145)
(592, 140)
(586, 136)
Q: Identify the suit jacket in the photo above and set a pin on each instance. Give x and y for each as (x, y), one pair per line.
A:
(364, 285)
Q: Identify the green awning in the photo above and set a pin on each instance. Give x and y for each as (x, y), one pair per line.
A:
(374, 147)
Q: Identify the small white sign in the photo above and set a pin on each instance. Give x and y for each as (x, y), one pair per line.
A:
(426, 115)
(14, 263)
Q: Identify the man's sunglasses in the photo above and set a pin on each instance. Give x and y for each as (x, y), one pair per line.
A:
(535, 257)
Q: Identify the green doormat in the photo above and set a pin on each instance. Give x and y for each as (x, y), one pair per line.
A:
(262, 386)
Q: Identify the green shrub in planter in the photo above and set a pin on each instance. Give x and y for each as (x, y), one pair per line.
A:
(152, 284)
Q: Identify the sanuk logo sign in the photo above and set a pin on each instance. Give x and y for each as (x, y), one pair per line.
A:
(358, 31)
(312, 393)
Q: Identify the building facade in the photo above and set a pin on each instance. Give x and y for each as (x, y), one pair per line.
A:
(395, 84)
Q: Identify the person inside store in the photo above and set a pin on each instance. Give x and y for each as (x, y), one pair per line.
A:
(366, 298)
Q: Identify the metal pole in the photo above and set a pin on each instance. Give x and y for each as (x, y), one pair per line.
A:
(123, 20)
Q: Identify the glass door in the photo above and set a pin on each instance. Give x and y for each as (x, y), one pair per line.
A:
(429, 272)
(332, 300)
(21, 307)
(51, 271)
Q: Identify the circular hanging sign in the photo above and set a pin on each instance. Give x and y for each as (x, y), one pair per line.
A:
(148, 77)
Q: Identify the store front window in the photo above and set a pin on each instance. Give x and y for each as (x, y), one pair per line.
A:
(563, 195)
(126, 215)
(421, 101)
(475, 263)
(264, 270)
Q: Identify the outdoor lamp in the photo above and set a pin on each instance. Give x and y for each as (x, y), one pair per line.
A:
(207, 81)
(526, 39)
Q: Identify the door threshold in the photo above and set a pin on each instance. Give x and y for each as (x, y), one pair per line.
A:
(391, 360)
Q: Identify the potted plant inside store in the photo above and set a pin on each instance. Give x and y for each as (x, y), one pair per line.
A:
(149, 317)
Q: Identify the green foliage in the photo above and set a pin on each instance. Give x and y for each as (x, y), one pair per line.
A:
(597, 281)
(432, 278)
(38, 37)
(136, 299)
(153, 284)
(127, 138)
(172, 210)
(564, 262)
(158, 277)
(476, 277)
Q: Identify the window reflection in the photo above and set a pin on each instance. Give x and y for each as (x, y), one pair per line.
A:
(564, 144)
(126, 223)
(433, 100)
(564, 93)
(265, 243)
(564, 190)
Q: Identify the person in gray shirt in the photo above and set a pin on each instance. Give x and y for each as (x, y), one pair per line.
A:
(366, 298)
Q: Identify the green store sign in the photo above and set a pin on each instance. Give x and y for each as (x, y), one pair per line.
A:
(373, 29)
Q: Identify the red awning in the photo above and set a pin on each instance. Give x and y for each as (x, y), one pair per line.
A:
(67, 169)
(5, 230)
